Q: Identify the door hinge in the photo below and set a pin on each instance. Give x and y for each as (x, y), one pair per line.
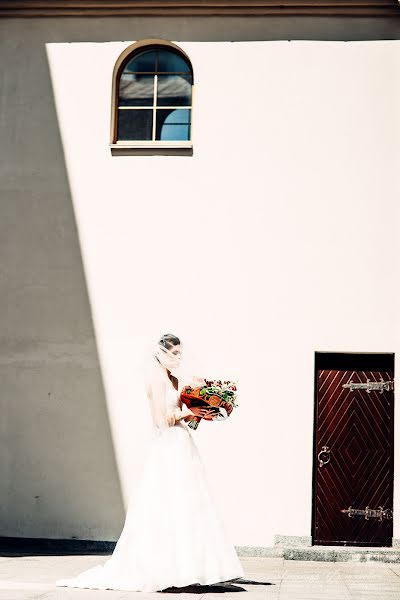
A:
(379, 513)
(370, 386)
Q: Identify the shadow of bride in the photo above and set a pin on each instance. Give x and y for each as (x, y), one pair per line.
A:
(229, 586)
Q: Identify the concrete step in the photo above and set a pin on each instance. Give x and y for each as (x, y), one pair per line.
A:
(343, 553)
(325, 553)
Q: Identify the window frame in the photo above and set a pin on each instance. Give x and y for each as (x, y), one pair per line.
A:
(119, 66)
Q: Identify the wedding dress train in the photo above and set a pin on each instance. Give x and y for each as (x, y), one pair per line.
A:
(173, 534)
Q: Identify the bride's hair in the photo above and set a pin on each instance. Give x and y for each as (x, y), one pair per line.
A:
(168, 340)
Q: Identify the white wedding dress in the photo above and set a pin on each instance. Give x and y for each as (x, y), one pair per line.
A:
(173, 534)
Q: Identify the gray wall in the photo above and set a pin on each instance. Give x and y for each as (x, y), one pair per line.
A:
(58, 475)
(205, 29)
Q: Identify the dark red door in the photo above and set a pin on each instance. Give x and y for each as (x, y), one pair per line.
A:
(353, 444)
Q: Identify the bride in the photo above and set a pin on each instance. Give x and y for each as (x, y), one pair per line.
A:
(173, 535)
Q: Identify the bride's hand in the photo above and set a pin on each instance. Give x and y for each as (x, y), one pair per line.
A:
(171, 420)
(201, 411)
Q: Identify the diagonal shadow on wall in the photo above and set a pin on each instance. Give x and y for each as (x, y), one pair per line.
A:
(58, 472)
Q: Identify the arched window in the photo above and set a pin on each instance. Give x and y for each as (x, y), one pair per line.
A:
(152, 96)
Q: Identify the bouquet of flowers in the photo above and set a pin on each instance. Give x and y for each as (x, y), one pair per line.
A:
(216, 393)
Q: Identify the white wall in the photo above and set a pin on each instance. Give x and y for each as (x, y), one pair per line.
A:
(278, 238)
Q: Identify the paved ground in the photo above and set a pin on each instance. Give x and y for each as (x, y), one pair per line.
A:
(31, 577)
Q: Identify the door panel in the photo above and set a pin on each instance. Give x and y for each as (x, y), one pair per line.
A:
(353, 467)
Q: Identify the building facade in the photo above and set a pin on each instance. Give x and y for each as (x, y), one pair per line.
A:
(261, 227)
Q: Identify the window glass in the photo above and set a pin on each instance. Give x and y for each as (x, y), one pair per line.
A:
(136, 90)
(173, 124)
(169, 62)
(174, 90)
(143, 62)
(135, 125)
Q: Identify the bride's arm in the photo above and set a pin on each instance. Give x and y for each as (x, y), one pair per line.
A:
(156, 392)
(181, 411)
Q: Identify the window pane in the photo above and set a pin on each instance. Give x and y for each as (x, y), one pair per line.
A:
(174, 90)
(135, 124)
(169, 62)
(145, 61)
(173, 124)
(136, 90)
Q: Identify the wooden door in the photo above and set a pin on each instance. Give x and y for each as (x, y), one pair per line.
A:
(354, 450)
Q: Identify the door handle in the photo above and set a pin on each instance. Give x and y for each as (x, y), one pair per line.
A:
(324, 456)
